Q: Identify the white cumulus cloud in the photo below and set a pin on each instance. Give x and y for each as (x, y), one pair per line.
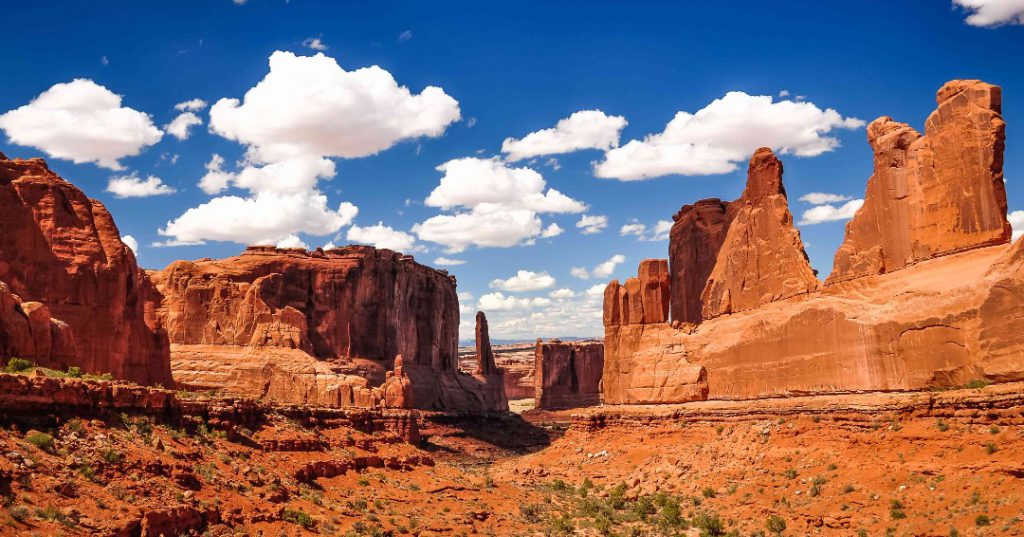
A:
(586, 129)
(565, 292)
(498, 301)
(659, 232)
(81, 121)
(292, 241)
(524, 281)
(491, 205)
(602, 270)
(381, 236)
(830, 213)
(988, 13)
(1016, 219)
(131, 243)
(191, 105)
(133, 186)
(821, 198)
(315, 43)
(180, 125)
(310, 105)
(726, 132)
(591, 224)
(448, 262)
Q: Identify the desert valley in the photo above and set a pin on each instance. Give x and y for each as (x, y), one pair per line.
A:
(288, 391)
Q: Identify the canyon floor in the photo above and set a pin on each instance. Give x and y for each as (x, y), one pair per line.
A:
(922, 463)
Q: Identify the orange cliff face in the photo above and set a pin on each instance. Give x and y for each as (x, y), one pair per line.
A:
(925, 293)
(319, 328)
(61, 253)
(935, 194)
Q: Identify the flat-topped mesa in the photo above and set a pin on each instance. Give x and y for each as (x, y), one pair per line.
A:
(696, 237)
(61, 249)
(762, 258)
(568, 374)
(329, 322)
(931, 195)
(484, 354)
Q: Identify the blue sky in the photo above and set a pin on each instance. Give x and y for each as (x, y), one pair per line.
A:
(505, 72)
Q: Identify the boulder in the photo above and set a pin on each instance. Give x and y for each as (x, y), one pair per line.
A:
(61, 250)
(931, 195)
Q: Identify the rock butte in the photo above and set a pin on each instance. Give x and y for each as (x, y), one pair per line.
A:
(568, 374)
(926, 291)
(61, 253)
(320, 328)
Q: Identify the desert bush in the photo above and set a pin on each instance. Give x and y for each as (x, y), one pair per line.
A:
(896, 510)
(991, 448)
(18, 365)
(709, 524)
(40, 440)
(296, 516)
(775, 524)
(982, 520)
(531, 512)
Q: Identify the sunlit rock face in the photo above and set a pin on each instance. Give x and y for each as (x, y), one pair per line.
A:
(926, 292)
(60, 249)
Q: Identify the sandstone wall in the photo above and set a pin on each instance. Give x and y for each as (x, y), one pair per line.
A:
(317, 327)
(568, 374)
(935, 194)
(62, 250)
(940, 302)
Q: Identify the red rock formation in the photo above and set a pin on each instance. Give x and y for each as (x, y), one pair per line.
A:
(943, 320)
(484, 354)
(328, 322)
(568, 374)
(935, 194)
(28, 331)
(696, 237)
(762, 258)
(62, 249)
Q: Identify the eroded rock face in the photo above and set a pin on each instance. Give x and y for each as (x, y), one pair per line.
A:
(696, 237)
(62, 250)
(484, 354)
(328, 324)
(953, 313)
(935, 194)
(762, 258)
(568, 374)
(28, 331)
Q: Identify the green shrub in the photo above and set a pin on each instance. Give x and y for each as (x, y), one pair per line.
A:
(991, 448)
(791, 473)
(942, 425)
(112, 456)
(709, 524)
(670, 515)
(708, 492)
(40, 440)
(296, 516)
(982, 520)
(644, 507)
(75, 372)
(562, 525)
(848, 489)
(18, 365)
(775, 524)
(896, 510)
(531, 512)
(977, 384)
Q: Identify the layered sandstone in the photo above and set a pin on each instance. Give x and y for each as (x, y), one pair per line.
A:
(935, 194)
(697, 234)
(319, 327)
(60, 249)
(951, 315)
(568, 374)
(762, 258)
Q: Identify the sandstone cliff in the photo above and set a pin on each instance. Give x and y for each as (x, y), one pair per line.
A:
(953, 313)
(696, 237)
(935, 194)
(318, 326)
(762, 258)
(62, 250)
(568, 374)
